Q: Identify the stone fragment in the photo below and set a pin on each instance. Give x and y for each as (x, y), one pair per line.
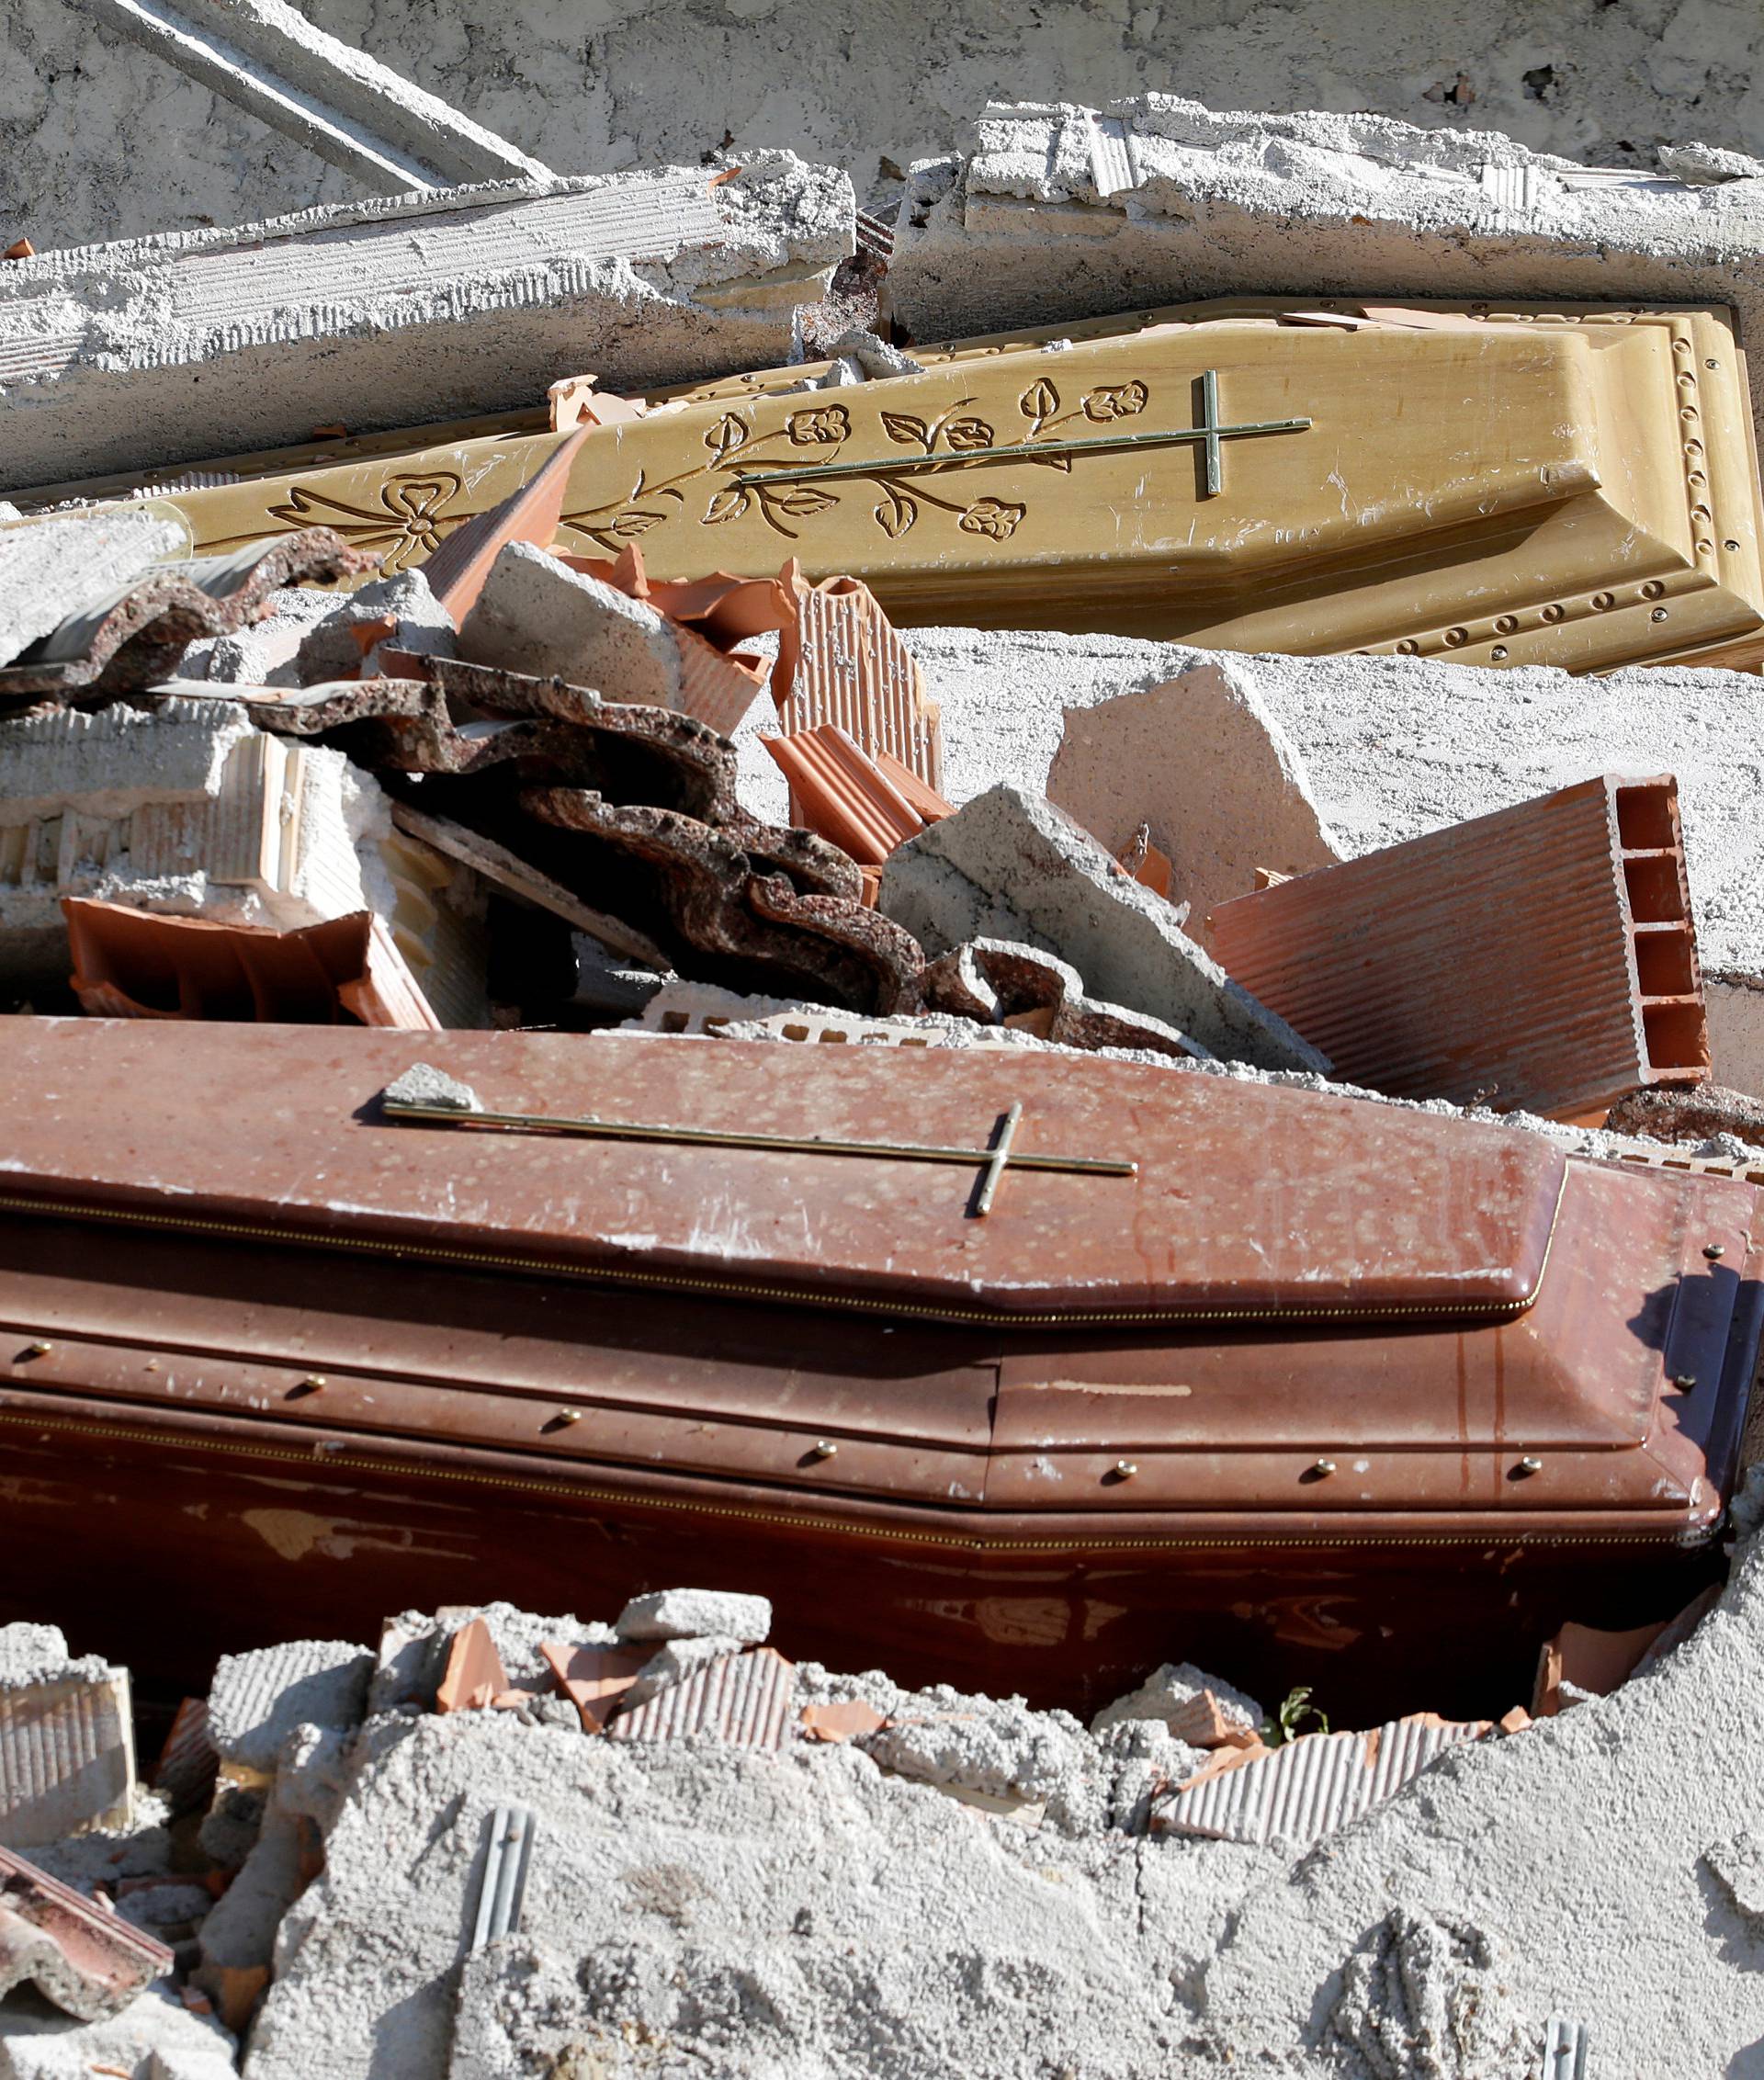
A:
(422, 1084)
(258, 1698)
(59, 566)
(537, 617)
(1001, 984)
(263, 654)
(1009, 866)
(697, 1613)
(400, 613)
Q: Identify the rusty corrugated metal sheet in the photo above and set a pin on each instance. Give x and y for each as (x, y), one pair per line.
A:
(1543, 957)
(1317, 1783)
(855, 671)
(746, 1699)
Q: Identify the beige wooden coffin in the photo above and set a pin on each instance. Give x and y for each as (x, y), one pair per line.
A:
(1571, 486)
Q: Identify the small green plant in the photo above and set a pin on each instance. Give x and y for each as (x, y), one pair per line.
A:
(1288, 1722)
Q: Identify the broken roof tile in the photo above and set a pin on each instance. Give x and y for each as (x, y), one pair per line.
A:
(1542, 958)
(1304, 1789)
(457, 569)
(88, 1961)
(853, 670)
(744, 1699)
(594, 1678)
(843, 794)
(475, 1677)
(835, 1723)
(134, 964)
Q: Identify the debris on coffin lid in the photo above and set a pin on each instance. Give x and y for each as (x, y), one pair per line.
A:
(998, 983)
(1468, 983)
(422, 1084)
(133, 637)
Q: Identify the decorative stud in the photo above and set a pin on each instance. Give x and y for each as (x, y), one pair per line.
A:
(1125, 1469)
(1713, 1250)
(569, 1415)
(1685, 1382)
(38, 1350)
(823, 1448)
(1321, 1469)
(1528, 1465)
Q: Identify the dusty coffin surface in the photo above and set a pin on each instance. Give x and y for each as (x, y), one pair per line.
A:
(1511, 484)
(1323, 1374)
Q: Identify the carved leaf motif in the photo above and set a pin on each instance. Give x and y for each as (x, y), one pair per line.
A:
(896, 513)
(729, 504)
(725, 436)
(1051, 461)
(1039, 402)
(801, 502)
(903, 428)
(634, 522)
(965, 435)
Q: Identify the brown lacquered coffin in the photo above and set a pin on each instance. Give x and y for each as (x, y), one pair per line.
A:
(1327, 1391)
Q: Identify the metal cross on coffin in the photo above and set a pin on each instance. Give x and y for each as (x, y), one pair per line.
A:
(1210, 434)
(995, 1160)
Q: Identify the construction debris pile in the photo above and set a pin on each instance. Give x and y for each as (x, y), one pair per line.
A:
(498, 1843)
(1155, 925)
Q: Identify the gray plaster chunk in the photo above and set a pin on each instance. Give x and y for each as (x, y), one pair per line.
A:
(52, 569)
(751, 1914)
(263, 653)
(240, 1933)
(1167, 1691)
(1738, 1863)
(30, 1652)
(424, 1084)
(421, 625)
(155, 2037)
(1009, 866)
(697, 1613)
(537, 616)
(1054, 209)
(1000, 1748)
(1427, 2000)
(1708, 163)
(258, 1698)
(166, 1910)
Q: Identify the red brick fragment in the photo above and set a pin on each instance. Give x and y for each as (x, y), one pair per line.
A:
(842, 1722)
(475, 1676)
(595, 1678)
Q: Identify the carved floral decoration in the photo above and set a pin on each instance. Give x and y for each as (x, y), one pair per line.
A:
(409, 525)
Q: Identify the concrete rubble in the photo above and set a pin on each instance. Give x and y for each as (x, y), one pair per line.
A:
(729, 867)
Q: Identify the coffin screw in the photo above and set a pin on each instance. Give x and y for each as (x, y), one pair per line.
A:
(38, 1350)
(1528, 1466)
(1712, 1250)
(1684, 1382)
(569, 1415)
(1320, 1469)
(1125, 1469)
(823, 1448)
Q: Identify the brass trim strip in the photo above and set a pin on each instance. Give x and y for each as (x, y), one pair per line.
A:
(844, 1527)
(793, 1296)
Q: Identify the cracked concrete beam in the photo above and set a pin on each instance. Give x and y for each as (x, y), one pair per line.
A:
(348, 108)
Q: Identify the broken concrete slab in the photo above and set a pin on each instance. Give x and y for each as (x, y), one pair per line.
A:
(156, 2036)
(59, 567)
(1132, 760)
(1056, 210)
(537, 617)
(1199, 1709)
(333, 97)
(1021, 988)
(259, 1697)
(697, 1613)
(1009, 866)
(400, 312)
(399, 614)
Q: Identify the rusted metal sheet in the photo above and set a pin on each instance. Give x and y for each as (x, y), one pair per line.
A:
(746, 1699)
(89, 1962)
(1542, 958)
(1392, 1399)
(1298, 1794)
(136, 635)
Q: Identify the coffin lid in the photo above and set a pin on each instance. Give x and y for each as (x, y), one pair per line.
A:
(1250, 1202)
